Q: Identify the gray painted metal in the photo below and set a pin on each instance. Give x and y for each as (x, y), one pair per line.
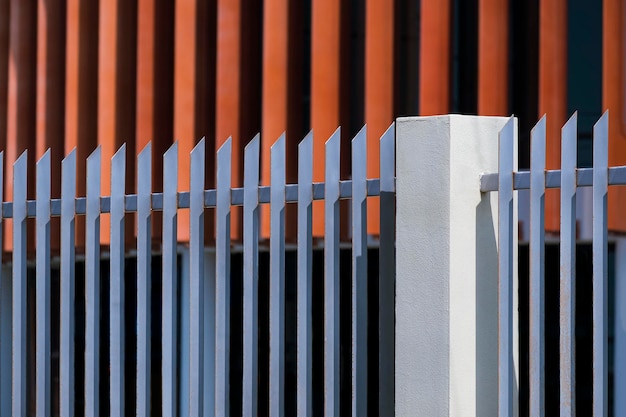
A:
(359, 274)
(387, 275)
(567, 282)
(537, 268)
(277, 279)
(116, 282)
(144, 279)
(6, 293)
(617, 176)
(92, 285)
(505, 273)
(331, 276)
(169, 283)
(68, 195)
(222, 280)
(19, 285)
(43, 287)
(196, 276)
(251, 278)
(584, 178)
(600, 269)
(305, 276)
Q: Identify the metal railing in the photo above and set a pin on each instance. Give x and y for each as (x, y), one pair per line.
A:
(568, 179)
(207, 391)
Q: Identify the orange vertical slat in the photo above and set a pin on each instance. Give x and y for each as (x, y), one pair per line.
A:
(613, 97)
(81, 89)
(155, 91)
(21, 100)
(434, 86)
(553, 91)
(325, 88)
(4, 76)
(493, 56)
(50, 97)
(379, 98)
(185, 96)
(116, 94)
(275, 107)
(228, 89)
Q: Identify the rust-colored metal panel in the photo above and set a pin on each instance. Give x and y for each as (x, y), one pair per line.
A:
(155, 88)
(325, 88)
(379, 97)
(116, 96)
(228, 92)
(434, 86)
(238, 85)
(5, 22)
(493, 57)
(553, 91)
(613, 97)
(21, 99)
(275, 108)
(81, 89)
(185, 95)
(50, 94)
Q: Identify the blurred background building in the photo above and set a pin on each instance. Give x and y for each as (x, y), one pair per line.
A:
(78, 73)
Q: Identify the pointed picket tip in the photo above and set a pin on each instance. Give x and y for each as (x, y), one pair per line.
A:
(200, 147)
(279, 142)
(226, 146)
(361, 136)
(173, 149)
(602, 125)
(336, 136)
(253, 145)
(389, 133)
(121, 151)
(307, 143)
(569, 128)
(540, 126)
(21, 160)
(147, 150)
(45, 157)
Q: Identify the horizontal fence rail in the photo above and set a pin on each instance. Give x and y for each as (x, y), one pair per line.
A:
(213, 337)
(537, 180)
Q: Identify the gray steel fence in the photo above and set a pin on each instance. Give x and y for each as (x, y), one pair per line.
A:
(209, 347)
(568, 179)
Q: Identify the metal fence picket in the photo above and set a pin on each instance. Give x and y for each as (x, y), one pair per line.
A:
(43, 356)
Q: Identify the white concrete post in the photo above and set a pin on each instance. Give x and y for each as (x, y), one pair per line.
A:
(447, 267)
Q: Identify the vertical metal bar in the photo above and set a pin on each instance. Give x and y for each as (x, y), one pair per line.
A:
(359, 274)
(600, 269)
(43, 286)
(567, 282)
(505, 272)
(537, 269)
(92, 277)
(68, 196)
(331, 276)
(251, 277)
(116, 280)
(19, 285)
(305, 276)
(6, 343)
(170, 281)
(144, 278)
(196, 277)
(387, 275)
(209, 334)
(222, 280)
(277, 279)
(6, 293)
